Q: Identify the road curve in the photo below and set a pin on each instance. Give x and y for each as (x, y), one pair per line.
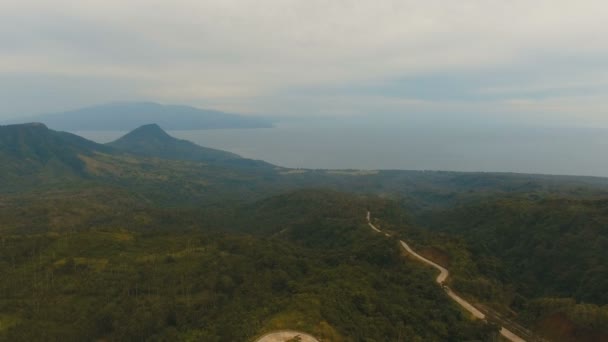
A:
(286, 335)
(443, 273)
(441, 278)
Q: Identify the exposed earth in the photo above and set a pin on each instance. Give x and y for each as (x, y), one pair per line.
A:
(287, 335)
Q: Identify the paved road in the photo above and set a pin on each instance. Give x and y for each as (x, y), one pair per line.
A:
(286, 335)
(441, 278)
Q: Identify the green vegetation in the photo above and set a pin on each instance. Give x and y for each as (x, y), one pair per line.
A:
(320, 270)
(34, 158)
(155, 238)
(539, 257)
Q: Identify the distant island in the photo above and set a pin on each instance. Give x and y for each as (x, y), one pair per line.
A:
(130, 115)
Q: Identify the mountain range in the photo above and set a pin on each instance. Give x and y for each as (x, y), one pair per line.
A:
(130, 115)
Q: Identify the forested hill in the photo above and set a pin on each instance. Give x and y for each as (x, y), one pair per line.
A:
(550, 254)
(34, 158)
(36, 143)
(152, 141)
(135, 275)
(33, 155)
(538, 242)
(143, 220)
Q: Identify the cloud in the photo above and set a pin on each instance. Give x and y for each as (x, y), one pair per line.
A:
(253, 55)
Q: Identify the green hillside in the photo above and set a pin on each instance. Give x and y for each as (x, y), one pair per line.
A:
(135, 277)
(35, 159)
(184, 242)
(31, 155)
(544, 258)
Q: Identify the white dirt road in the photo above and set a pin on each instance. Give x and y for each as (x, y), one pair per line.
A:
(441, 278)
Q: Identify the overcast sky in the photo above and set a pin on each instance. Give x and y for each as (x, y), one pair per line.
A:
(531, 61)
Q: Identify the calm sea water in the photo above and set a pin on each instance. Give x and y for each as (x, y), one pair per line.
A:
(341, 144)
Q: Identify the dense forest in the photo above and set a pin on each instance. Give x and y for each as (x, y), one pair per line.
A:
(542, 257)
(320, 270)
(154, 238)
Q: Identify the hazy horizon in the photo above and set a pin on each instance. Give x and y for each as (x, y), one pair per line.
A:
(379, 145)
(518, 62)
(366, 171)
(453, 68)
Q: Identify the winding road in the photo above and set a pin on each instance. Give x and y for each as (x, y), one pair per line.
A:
(441, 278)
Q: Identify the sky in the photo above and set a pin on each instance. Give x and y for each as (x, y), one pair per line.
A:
(525, 61)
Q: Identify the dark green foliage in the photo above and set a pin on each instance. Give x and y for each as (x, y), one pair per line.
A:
(31, 155)
(529, 251)
(97, 242)
(321, 271)
(556, 247)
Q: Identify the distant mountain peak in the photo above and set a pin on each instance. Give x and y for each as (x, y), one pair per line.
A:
(149, 131)
(146, 138)
(127, 115)
(152, 141)
(151, 126)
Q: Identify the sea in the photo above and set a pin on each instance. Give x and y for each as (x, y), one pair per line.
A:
(374, 145)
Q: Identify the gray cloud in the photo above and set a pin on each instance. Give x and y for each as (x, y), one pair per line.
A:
(535, 60)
